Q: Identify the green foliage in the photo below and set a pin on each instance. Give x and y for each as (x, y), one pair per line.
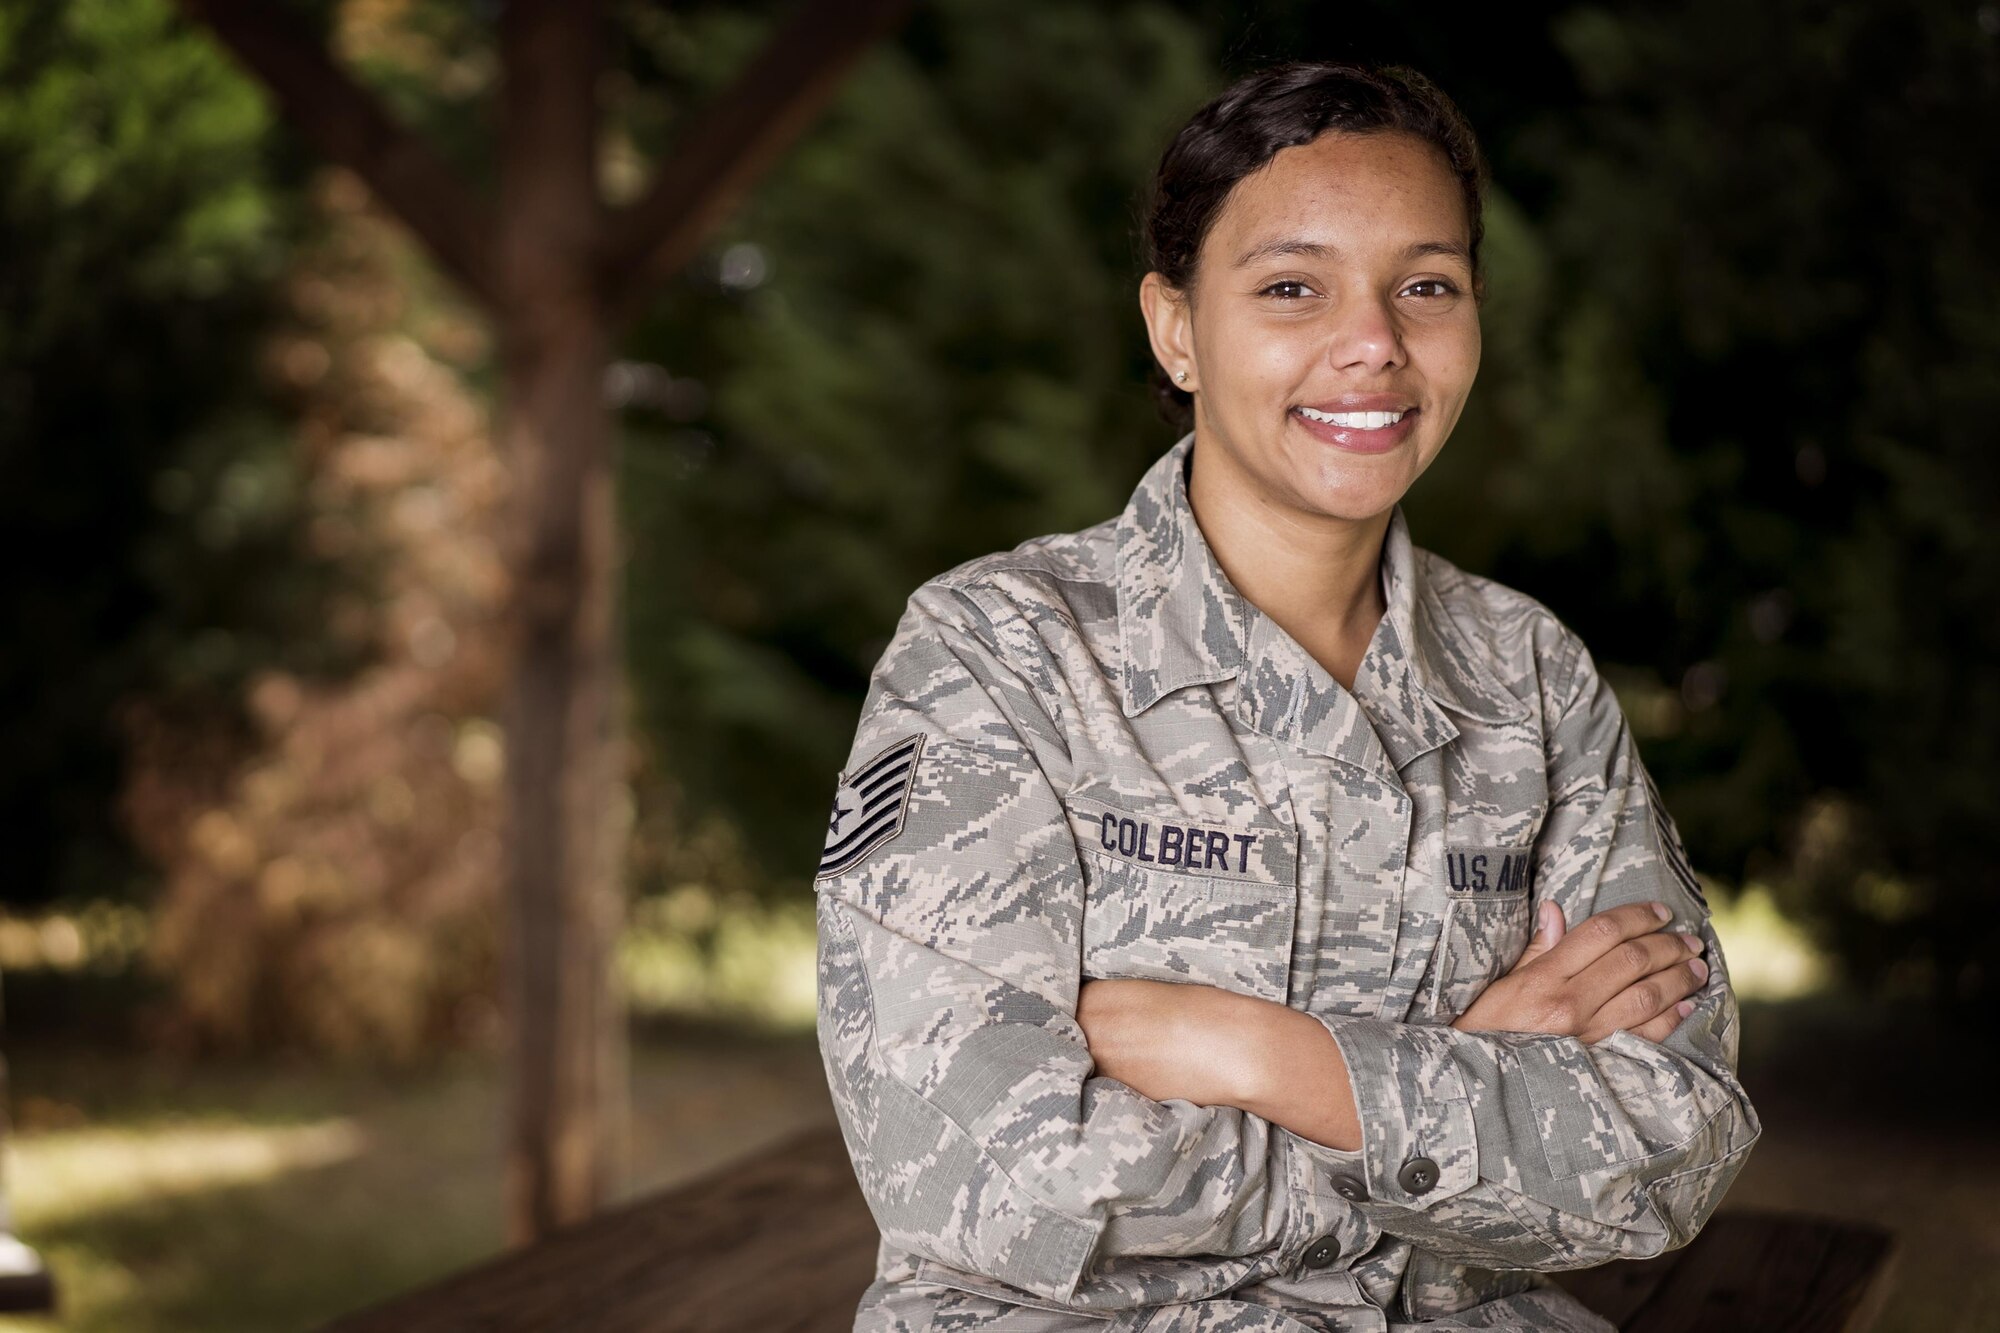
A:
(1735, 427)
(945, 359)
(145, 216)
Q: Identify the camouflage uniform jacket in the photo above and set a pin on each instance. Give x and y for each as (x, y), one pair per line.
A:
(1092, 757)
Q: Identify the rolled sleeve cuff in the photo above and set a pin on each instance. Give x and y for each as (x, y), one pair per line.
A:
(1418, 1143)
(1317, 1210)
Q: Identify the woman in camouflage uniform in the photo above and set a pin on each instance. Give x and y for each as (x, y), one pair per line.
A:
(1234, 916)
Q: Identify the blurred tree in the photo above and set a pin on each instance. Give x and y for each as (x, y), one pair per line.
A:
(560, 269)
(336, 892)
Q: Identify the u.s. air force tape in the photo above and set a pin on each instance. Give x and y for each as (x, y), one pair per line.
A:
(869, 805)
(1487, 872)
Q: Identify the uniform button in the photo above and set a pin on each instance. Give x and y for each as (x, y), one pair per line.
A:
(1418, 1175)
(1350, 1188)
(1323, 1252)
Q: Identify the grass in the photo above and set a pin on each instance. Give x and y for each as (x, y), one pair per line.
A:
(272, 1197)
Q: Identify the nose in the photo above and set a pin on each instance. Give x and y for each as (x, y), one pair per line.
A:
(1365, 336)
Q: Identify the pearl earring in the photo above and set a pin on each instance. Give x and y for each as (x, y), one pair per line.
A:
(1181, 376)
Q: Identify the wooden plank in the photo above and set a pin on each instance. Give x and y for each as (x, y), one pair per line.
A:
(1765, 1272)
(1618, 1291)
(783, 1241)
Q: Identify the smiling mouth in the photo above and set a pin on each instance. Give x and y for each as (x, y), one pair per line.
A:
(1354, 420)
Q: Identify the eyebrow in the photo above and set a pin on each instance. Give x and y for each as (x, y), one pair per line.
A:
(1314, 250)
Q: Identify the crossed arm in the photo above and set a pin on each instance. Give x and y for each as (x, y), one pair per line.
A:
(1620, 969)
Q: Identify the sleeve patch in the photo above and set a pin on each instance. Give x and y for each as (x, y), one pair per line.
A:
(1670, 842)
(869, 806)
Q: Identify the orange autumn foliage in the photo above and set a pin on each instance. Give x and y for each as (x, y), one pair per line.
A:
(331, 878)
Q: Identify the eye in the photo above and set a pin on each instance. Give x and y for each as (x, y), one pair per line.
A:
(1443, 287)
(1286, 282)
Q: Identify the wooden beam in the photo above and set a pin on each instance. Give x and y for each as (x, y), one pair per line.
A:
(737, 139)
(565, 729)
(346, 123)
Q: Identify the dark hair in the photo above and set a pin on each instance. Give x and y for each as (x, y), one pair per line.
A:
(1283, 106)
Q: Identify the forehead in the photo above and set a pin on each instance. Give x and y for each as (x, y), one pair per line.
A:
(1389, 186)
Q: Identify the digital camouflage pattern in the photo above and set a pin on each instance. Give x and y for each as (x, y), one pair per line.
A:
(1124, 769)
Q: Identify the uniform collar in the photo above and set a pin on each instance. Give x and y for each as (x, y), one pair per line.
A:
(1183, 623)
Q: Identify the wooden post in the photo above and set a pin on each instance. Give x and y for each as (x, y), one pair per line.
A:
(564, 741)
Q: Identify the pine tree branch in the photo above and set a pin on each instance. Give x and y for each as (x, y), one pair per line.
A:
(737, 139)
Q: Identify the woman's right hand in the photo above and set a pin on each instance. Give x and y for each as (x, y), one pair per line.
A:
(1616, 970)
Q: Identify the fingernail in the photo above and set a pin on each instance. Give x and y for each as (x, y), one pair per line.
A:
(1547, 927)
(1684, 1008)
(1694, 942)
(1662, 911)
(1699, 968)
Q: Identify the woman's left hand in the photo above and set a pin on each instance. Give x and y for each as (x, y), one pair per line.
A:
(1167, 1039)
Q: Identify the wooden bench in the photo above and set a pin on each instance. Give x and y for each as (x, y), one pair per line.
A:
(783, 1241)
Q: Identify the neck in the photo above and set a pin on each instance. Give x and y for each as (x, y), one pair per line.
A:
(1318, 577)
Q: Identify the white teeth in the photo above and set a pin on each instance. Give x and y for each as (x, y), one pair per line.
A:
(1355, 420)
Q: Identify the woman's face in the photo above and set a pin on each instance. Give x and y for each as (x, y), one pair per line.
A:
(1333, 336)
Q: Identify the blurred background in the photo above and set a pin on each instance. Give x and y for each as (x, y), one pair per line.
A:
(1736, 424)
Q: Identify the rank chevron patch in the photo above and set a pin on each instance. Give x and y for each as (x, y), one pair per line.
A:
(868, 808)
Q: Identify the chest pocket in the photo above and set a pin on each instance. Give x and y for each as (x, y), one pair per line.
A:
(1170, 898)
(1489, 916)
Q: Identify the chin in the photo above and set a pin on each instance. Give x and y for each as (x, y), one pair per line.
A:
(1343, 489)
(1351, 506)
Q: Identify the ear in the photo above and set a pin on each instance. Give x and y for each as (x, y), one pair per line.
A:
(1170, 328)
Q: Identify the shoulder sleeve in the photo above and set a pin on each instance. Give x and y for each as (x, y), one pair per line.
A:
(950, 917)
